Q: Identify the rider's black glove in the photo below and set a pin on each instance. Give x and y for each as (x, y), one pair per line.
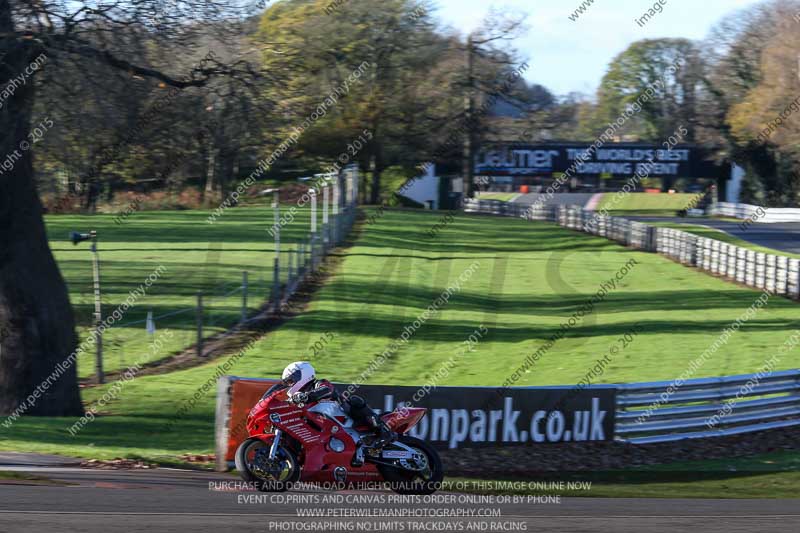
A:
(300, 397)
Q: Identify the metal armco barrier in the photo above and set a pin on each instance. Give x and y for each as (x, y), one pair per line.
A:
(701, 408)
(777, 274)
(755, 213)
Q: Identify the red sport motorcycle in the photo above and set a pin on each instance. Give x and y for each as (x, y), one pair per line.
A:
(292, 441)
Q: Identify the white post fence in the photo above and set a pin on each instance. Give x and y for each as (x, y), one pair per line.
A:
(777, 274)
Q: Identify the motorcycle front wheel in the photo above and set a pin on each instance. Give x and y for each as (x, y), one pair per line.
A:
(425, 480)
(254, 466)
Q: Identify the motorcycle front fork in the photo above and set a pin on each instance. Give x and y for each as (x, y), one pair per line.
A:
(273, 450)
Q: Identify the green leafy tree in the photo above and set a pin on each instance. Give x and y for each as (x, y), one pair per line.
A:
(35, 311)
(397, 45)
(672, 69)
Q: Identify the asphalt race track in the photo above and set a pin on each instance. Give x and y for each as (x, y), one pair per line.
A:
(177, 500)
(784, 237)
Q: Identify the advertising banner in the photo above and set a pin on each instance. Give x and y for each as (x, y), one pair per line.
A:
(618, 160)
(458, 417)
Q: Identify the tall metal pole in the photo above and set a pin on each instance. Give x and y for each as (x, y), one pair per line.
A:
(289, 267)
(244, 295)
(336, 196)
(276, 264)
(276, 207)
(98, 311)
(199, 322)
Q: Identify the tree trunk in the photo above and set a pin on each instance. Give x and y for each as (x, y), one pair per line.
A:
(211, 173)
(93, 189)
(203, 158)
(37, 326)
(362, 188)
(228, 170)
(469, 119)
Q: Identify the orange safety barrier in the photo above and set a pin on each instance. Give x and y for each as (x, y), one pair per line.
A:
(243, 395)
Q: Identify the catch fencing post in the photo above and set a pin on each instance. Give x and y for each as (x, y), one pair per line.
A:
(313, 194)
(277, 210)
(301, 259)
(335, 205)
(290, 267)
(244, 295)
(296, 261)
(98, 311)
(325, 200)
(348, 193)
(77, 237)
(276, 281)
(313, 227)
(199, 324)
(356, 186)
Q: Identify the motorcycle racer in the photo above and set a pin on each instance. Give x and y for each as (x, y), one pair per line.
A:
(302, 430)
(304, 387)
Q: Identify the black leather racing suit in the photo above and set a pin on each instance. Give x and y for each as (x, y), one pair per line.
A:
(355, 406)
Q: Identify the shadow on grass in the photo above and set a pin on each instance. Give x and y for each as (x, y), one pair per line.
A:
(192, 432)
(406, 229)
(456, 331)
(344, 290)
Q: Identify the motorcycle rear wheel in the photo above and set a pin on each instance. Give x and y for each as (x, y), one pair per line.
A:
(404, 481)
(248, 467)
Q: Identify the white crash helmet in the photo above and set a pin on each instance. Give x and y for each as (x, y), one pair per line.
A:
(297, 375)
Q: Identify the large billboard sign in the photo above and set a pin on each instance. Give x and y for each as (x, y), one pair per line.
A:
(471, 417)
(618, 159)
